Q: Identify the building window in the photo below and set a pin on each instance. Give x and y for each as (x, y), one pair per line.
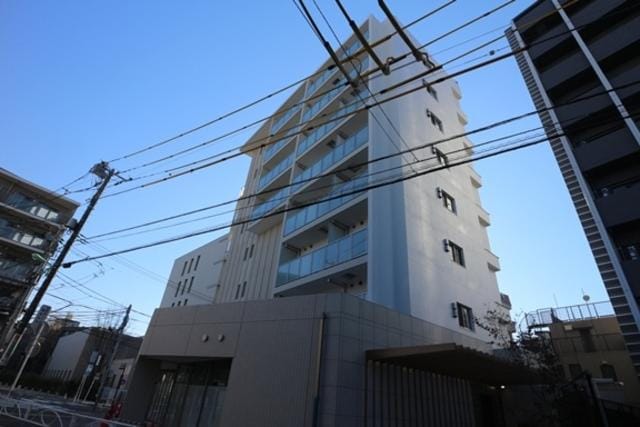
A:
(251, 251)
(173, 304)
(184, 286)
(587, 340)
(246, 253)
(465, 317)
(190, 265)
(440, 156)
(185, 301)
(457, 253)
(238, 292)
(430, 89)
(177, 289)
(448, 201)
(575, 370)
(179, 303)
(608, 371)
(435, 120)
(244, 288)
(184, 268)
(190, 284)
(195, 267)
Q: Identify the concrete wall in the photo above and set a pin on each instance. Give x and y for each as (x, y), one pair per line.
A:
(274, 346)
(191, 285)
(67, 355)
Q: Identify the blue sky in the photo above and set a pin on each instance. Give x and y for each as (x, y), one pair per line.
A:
(88, 81)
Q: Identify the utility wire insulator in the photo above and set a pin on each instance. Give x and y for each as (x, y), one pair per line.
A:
(384, 67)
(418, 54)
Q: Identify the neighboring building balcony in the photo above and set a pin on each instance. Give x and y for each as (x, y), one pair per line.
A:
(589, 344)
(338, 154)
(15, 271)
(338, 252)
(299, 219)
(319, 133)
(284, 118)
(616, 202)
(547, 316)
(604, 148)
(18, 203)
(615, 39)
(278, 170)
(25, 240)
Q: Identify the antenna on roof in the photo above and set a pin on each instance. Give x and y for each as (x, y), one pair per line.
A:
(384, 67)
(419, 55)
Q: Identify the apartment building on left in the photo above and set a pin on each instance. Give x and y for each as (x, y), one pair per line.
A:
(32, 221)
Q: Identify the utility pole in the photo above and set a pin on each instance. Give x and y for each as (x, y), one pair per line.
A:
(27, 356)
(104, 172)
(105, 368)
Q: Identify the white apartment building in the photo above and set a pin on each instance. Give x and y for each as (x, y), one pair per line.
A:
(419, 246)
(195, 276)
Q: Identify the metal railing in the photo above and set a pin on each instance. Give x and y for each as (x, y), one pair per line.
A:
(547, 316)
(271, 203)
(336, 252)
(276, 171)
(28, 412)
(278, 123)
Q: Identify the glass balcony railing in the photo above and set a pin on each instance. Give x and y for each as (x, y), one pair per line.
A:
(276, 171)
(298, 219)
(32, 206)
(11, 233)
(15, 270)
(279, 122)
(354, 47)
(330, 95)
(323, 130)
(272, 149)
(271, 203)
(337, 154)
(313, 86)
(336, 252)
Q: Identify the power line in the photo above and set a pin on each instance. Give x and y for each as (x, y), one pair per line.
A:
(370, 161)
(366, 188)
(269, 95)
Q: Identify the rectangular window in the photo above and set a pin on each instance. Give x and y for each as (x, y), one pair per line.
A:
(465, 317)
(246, 253)
(435, 120)
(457, 253)
(244, 288)
(195, 267)
(179, 303)
(185, 301)
(177, 289)
(441, 157)
(238, 292)
(184, 286)
(184, 268)
(251, 251)
(448, 201)
(173, 304)
(190, 284)
(190, 265)
(430, 89)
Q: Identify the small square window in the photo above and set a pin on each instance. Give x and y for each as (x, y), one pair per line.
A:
(449, 202)
(457, 253)
(465, 317)
(441, 157)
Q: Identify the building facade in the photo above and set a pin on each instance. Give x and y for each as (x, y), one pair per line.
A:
(32, 221)
(419, 246)
(581, 67)
(587, 339)
(195, 276)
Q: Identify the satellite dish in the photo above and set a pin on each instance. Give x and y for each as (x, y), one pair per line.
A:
(586, 298)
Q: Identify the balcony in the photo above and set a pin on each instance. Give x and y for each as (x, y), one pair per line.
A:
(299, 219)
(564, 69)
(319, 81)
(616, 204)
(493, 262)
(324, 100)
(19, 202)
(281, 167)
(338, 252)
(617, 38)
(483, 216)
(272, 149)
(14, 270)
(333, 157)
(322, 131)
(262, 223)
(24, 239)
(280, 121)
(604, 149)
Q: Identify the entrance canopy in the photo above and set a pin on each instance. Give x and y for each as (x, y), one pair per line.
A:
(457, 361)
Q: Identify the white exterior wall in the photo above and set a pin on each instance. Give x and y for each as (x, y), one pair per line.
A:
(406, 268)
(66, 355)
(204, 279)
